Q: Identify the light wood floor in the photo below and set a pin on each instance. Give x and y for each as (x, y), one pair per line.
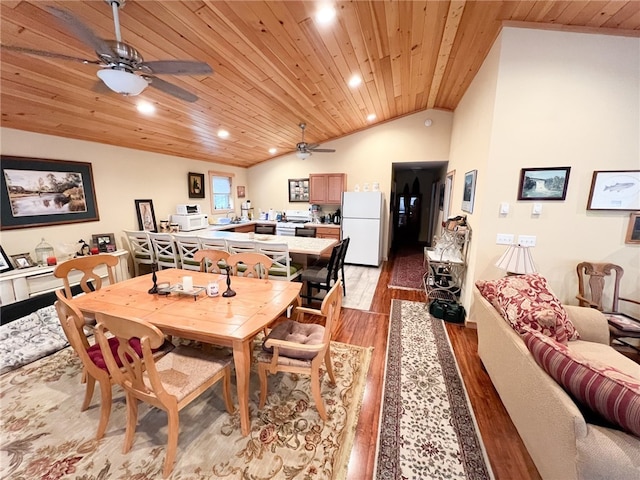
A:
(509, 459)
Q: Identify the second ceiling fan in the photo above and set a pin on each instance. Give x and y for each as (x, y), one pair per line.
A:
(304, 149)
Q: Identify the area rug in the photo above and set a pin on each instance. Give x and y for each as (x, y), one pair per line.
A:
(46, 436)
(407, 272)
(428, 429)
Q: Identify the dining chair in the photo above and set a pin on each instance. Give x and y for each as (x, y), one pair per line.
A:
(165, 250)
(169, 383)
(283, 268)
(297, 346)
(322, 277)
(141, 249)
(187, 246)
(213, 243)
(305, 232)
(343, 254)
(212, 261)
(593, 279)
(250, 264)
(265, 229)
(240, 246)
(93, 268)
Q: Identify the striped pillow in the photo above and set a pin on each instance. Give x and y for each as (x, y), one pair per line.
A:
(605, 390)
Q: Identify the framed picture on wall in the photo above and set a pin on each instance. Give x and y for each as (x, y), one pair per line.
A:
(37, 192)
(543, 183)
(633, 230)
(299, 190)
(615, 190)
(5, 263)
(469, 190)
(196, 185)
(146, 216)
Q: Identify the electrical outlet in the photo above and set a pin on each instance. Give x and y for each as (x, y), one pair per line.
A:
(527, 240)
(504, 239)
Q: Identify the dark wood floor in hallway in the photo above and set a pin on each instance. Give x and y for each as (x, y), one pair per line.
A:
(507, 454)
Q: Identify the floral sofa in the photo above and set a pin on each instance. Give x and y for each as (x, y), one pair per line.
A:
(557, 376)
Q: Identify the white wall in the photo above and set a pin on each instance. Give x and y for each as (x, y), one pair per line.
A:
(561, 99)
(366, 157)
(120, 175)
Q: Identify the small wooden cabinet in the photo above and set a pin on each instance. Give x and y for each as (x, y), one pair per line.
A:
(327, 232)
(326, 188)
(245, 228)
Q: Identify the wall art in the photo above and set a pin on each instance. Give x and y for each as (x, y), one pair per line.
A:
(146, 216)
(547, 183)
(469, 192)
(615, 190)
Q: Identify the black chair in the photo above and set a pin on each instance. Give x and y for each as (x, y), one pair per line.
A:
(266, 229)
(322, 278)
(305, 232)
(343, 253)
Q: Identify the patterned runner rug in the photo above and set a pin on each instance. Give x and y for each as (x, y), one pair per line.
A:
(407, 272)
(427, 429)
(45, 435)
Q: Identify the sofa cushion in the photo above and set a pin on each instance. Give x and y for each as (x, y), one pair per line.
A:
(527, 300)
(604, 389)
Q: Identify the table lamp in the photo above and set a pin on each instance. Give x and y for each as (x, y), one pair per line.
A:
(517, 260)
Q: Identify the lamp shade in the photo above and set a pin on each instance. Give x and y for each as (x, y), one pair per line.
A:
(303, 155)
(121, 81)
(517, 260)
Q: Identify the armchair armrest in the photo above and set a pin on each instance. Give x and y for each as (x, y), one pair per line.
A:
(591, 323)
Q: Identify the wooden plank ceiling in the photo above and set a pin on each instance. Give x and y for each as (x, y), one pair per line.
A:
(274, 67)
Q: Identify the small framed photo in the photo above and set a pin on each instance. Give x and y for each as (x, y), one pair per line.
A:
(615, 190)
(469, 192)
(241, 192)
(633, 230)
(543, 183)
(22, 260)
(196, 185)
(105, 242)
(146, 216)
(5, 263)
(299, 190)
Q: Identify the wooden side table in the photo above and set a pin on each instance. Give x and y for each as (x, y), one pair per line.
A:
(622, 328)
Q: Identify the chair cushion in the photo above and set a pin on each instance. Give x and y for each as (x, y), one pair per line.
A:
(527, 300)
(281, 271)
(95, 354)
(314, 274)
(602, 388)
(303, 333)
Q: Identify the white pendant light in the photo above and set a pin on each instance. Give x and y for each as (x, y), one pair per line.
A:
(121, 81)
(303, 155)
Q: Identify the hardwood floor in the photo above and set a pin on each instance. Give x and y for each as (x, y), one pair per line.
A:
(507, 454)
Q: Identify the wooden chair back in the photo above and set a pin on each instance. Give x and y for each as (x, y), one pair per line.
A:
(591, 284)
(213, 243)
(241, 246)
(187, 246)
(282, 268)
(253, 264)
(141, 249)
(92, 267)
(165, 250)
(210, 260)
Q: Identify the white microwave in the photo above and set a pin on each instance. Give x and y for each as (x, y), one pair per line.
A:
(187, 223)
(185, 209)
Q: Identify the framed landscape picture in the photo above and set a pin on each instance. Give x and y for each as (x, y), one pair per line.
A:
(543, 183)
(36, 192)
(615, 190)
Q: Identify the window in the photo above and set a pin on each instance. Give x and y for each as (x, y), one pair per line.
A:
(221, 198)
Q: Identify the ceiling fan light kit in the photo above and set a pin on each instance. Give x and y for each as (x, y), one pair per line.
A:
(303, 155)
(121, 81)
(304, 149)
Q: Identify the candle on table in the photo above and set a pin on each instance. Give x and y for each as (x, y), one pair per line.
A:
(187, 283)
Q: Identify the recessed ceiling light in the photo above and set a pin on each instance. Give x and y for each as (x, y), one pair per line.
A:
(273, 150)
(223, 133)
(355, 81)
(145, 107)
(371, 117)
(325, 15)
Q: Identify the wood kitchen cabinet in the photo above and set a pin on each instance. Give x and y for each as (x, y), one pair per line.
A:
(245, 228)
(326, 188)
(327, 232)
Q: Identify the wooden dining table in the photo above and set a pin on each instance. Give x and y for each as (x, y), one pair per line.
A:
(227, 321)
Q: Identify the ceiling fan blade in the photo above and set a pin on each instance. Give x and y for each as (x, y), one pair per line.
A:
(179, 67)
(81, 31)
(172, 89)
(43, 53)
(322, 150)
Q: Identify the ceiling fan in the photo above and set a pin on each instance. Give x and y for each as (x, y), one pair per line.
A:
(123, 69)
(304, 150)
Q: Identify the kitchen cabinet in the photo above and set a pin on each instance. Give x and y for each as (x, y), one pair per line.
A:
(326, 188)
(245, 228)
(327, 232)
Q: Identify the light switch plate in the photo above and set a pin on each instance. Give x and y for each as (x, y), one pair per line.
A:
(504, 208)
(527, 240)
(536, 209)
(504, 239)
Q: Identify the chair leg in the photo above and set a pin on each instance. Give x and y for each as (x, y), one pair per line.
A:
(344, 284)
(329, 365)
(262, 373)
(315, 391)
(226, 390)
(88, 394)
(105, 407)
(132, 420)
(172, 441)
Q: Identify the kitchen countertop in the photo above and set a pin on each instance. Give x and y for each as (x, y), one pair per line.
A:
(323, 225)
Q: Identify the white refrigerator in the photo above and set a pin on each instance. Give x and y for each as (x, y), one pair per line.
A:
(362, 214)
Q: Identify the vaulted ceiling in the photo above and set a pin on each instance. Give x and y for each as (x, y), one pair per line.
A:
(274, 67)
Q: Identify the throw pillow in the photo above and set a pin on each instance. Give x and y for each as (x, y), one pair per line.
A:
(527, 300)
(604, 389)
